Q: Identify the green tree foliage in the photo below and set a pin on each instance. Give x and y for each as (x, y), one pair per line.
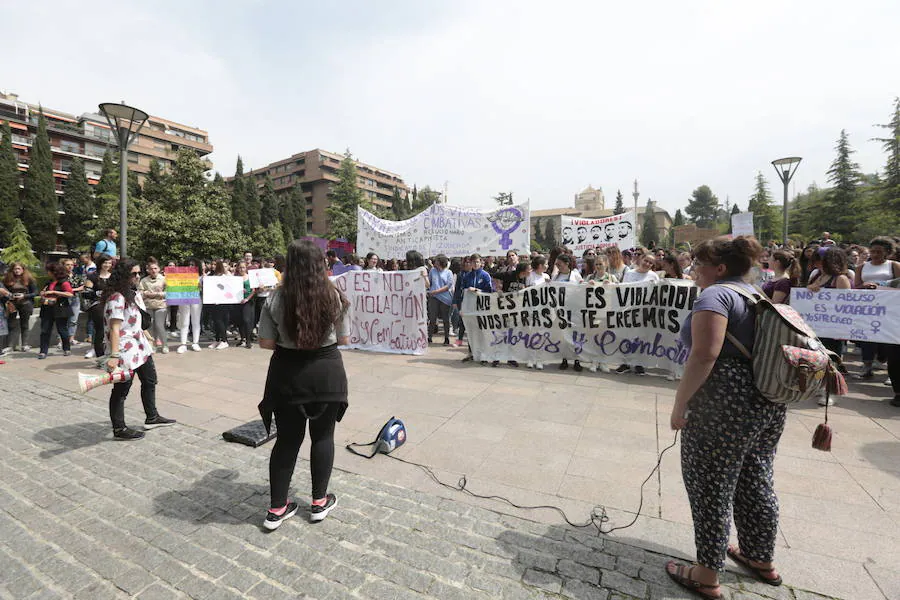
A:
(678, 221)
(252, 204)
(426, 197)
(889, 190)
(40, 211)
(287, 217)
(649, 233)
(155, 184)
(268, 241)
(843, 199)
(703, 207)
(10, 203)
(78, 204)
(19, 247)
(550, 233)
(504, 199)
(766, 218)
(300, 226)
(191, 219)
(106, 194)
(135, 191)
(345, 198)
(269, 203)
(620, 203)
(399, 206)
(239, 197)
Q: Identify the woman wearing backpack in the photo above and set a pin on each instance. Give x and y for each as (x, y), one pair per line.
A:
(730, 431)
(303, 321)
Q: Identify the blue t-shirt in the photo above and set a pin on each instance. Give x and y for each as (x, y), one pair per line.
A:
(730, 304)
(438, 279)
(106, 247)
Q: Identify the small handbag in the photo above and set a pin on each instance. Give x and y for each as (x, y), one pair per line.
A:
(11, 308)
(838, 385)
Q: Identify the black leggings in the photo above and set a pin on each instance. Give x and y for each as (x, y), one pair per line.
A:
(220, 316)
(291, 424)
(98, 339)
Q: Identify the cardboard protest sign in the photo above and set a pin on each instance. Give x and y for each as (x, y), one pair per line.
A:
(742, 224)
(387, 310)
(182, 286)
(223, 289)
(860, 315)
(450, 230)
(262, 278)
(580, 234)
(637, 324)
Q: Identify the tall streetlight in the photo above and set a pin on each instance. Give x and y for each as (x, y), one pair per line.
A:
(126, 121)
(786, 167)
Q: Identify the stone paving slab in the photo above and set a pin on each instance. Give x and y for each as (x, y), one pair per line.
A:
(177, 515)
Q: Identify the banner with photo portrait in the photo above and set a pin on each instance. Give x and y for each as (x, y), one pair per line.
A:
(450, 230)
(580, 234)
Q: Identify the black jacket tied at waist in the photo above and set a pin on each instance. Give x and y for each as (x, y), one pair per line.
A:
(304, 377)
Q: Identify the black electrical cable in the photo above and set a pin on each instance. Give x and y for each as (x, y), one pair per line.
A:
(598, 513)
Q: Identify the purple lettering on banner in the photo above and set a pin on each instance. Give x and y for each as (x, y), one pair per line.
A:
(387, 311)
(635, 323)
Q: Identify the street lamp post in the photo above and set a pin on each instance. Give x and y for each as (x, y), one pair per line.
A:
(786, 167)
(126, 121)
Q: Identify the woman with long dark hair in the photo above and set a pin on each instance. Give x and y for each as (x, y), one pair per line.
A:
(20, 284)
(129, 351)
(221, 313)
(93, 293)
(56, 308)
(303, 321)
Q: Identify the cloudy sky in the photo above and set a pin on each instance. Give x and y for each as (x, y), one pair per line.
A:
(537, 98)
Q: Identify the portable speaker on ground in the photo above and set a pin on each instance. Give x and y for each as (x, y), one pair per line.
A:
(250, 434)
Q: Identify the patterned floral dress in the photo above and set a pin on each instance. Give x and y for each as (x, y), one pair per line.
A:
(133, 346)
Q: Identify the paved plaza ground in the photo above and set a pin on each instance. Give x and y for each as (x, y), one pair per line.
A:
(177, 514)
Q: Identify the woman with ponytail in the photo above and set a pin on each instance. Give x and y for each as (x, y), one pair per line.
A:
(303, 321)
(787, 275)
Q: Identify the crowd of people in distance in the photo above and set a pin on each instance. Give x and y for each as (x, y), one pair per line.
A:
(76, 286)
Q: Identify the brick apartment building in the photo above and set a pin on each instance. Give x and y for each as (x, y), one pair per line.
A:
(88, 136)
(315, 171)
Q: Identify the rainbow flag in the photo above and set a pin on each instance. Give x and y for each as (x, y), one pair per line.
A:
(182, 286)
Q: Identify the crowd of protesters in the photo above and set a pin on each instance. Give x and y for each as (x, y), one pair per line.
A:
(77, 286)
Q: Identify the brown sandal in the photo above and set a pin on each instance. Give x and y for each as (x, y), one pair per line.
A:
(690, 584)
(735, 554)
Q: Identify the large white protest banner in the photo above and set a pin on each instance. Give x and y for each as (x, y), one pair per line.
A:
(450, 230)
(860, 315)
(387, 310)
(223, 289)
(580, 234)
(637, 324)
(742, 224)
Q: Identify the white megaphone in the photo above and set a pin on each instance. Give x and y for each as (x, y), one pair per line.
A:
(87, 381)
